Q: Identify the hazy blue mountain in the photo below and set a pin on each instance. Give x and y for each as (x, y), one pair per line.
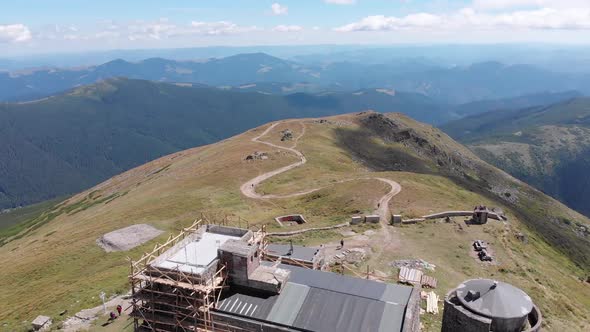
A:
(536, 99)
(454, 85)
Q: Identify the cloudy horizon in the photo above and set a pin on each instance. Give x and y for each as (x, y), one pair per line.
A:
(63, 26)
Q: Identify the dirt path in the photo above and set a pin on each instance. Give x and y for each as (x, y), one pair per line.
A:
(249, 187)
(388, 238)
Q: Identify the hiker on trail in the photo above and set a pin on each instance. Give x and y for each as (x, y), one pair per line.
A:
(378, 205)
(119, 309)
(341, 243)
(112, 316)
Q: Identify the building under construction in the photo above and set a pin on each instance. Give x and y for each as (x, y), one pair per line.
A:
(215, 278)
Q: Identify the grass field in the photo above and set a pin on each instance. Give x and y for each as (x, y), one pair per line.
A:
(59, 266)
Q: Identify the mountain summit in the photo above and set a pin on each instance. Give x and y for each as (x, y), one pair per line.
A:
(327, 169)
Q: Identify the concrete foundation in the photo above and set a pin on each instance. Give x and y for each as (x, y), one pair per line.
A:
(355, 220)
(41, 323)
(374, 218)
(290, 220)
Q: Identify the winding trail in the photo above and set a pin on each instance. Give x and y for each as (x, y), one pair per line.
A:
(249, 187)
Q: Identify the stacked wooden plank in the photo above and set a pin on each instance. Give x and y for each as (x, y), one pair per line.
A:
(432, 303)
(428, 281)
(410, 276)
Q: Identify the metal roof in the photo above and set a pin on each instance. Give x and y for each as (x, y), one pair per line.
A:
(313, 300)
(325, 310)
(247, 305)
(299, 252)
(288, 304)
(494, 299)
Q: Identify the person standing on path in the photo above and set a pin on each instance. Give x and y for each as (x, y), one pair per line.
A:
(342, 244)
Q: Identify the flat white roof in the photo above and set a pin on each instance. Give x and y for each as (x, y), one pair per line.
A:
(196, 255)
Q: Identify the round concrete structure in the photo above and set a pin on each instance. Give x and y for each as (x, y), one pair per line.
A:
(494, 299)
(488, 305)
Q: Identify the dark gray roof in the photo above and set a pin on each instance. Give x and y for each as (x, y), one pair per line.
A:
(299, 252)
(247, 305)
(349, 285)
(494, 299)
(323, 301)
(325, 310)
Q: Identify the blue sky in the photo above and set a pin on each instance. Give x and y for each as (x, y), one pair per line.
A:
(34, 26)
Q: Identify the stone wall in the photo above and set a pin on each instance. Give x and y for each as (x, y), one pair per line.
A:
(535, 319)
(457, 318)
(412, 315)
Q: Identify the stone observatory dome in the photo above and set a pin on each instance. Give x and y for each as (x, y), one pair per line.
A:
(489, 305)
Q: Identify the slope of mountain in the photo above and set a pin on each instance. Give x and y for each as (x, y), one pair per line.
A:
(344, 157)
(546, 146)
(536, 99)
(63, 144)
(489, 80)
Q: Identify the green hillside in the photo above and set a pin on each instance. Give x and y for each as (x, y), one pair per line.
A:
(546, 146)
(55, 264)
(66, 143)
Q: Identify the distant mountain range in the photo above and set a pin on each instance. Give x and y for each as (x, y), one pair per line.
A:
(545, 146)
(453, 85)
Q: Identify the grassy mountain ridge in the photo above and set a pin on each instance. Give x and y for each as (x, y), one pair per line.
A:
(69, 142)
(435, 173)
(546, 146)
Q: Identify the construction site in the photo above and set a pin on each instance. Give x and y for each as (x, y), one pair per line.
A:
(219, 278)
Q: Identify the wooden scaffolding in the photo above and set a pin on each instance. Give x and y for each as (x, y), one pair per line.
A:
(172, 300)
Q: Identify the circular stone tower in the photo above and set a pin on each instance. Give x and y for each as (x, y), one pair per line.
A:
(483, 305)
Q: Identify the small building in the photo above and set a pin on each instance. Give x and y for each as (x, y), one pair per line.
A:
(484, 305)
(290, 254)
(480, 215)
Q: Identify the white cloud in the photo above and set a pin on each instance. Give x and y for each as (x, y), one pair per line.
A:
(287, 28)
(384, 23)
(219, 28)
(531, 4)
(14, 33)
(277, 9)
(340, 2)
(468, 18)
(152, 30)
